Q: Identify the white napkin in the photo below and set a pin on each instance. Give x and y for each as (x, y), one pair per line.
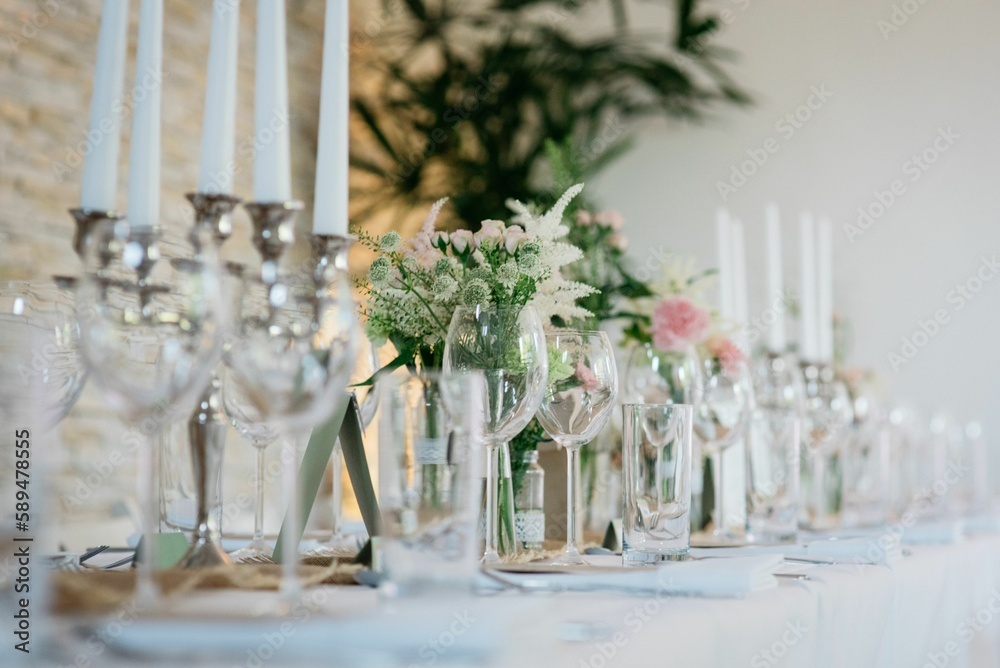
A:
(711, 577)
(946, 532)
(872, 550)
(980, 524)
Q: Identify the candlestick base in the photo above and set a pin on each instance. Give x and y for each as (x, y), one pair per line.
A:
(329, 256)
(273, 232)
(213, 213)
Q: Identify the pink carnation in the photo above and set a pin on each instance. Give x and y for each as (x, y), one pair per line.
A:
(587, 377)
(678, 323)
(729, 354)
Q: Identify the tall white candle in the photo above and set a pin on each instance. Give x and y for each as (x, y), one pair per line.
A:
(144, 153)
(825, 308)
(100, 165)
(218, 129)
(742, 308)
(272, 175)
(809, 345)
(723, 231)
(775, 280)
(330, 204)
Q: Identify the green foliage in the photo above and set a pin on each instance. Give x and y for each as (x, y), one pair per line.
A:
(464, 96)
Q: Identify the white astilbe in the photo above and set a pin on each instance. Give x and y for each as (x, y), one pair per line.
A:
(421, 247)
(556, 296)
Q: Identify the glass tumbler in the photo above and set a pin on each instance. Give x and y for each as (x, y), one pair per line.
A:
(430, 455)
(656, 467)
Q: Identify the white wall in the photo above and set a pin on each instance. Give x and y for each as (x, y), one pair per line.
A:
(890, 97)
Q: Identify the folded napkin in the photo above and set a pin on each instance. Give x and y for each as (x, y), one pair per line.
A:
(980, 524)
(946, 532)
(873, 550)
(723, 578)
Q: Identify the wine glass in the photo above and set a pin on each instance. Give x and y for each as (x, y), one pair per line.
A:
(151, 334)
(723, 407)
(661, 377)
(508, 344)
(44, 311)
(582, 389)
(828, 414)
(291, 360)
(365, 368)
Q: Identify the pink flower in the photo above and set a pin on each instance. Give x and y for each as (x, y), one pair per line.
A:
(728, 353)
(491, 230)
(611, 219)
(584, 219)
(677, 323)
(618, 241)
(462, 240)
(587, 377)
(513, 237)
(439, 240)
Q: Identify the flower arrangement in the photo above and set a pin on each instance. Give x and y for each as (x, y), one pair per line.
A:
(412, 287)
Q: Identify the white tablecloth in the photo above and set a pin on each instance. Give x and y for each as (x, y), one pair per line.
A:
(939, 606)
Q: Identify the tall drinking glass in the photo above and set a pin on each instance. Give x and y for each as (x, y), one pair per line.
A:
(507, 343)
(656, 465)
(583, 387)
(430, 438)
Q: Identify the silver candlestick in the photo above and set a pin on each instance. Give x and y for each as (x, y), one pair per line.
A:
(273, 233)
(88, 221)
(329, 257)
(207, 433)
(213, 214)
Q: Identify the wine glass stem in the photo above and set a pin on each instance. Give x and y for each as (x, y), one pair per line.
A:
(574, 520)
(718, 509)
(147, 492)
(492, 528)
(258, 516)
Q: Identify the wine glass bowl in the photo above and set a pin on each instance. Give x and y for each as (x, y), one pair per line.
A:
(41, 314)
(661, 377)
(724, 404)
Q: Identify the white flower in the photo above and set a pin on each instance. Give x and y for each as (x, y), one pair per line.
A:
(462, 240)
(439, 240)
(390, 242)
(513, 237)
(476, 291)
(508, 274)
(444, 288)
(490, 232)
(379, 271)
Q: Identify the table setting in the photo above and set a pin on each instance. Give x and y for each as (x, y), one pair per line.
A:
(487, 440)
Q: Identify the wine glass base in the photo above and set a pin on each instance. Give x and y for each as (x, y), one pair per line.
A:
(257, 549)
(569, 557)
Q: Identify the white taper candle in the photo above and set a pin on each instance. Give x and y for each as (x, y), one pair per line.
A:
(218, 129)
(723, 231)
(99, 184)
(144, 152)
(775, 280)
(332, 161)
(808, 316)
(272, 176)
(824, 264)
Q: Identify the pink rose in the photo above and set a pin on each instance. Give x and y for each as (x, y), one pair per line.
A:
(491, 230)
(611, 219)
(728, 353)
(584, 219)
(618, 241)
(677, 323)
(439, 240)
(462, 240)
(587, 377)
(513, 237)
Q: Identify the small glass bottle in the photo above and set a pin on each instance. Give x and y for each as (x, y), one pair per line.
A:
(529, 518)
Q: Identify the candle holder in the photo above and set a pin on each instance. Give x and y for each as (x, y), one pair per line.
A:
(273, 233)
(207, 433)
(213, 214)
(88, 222)
(329, 257)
